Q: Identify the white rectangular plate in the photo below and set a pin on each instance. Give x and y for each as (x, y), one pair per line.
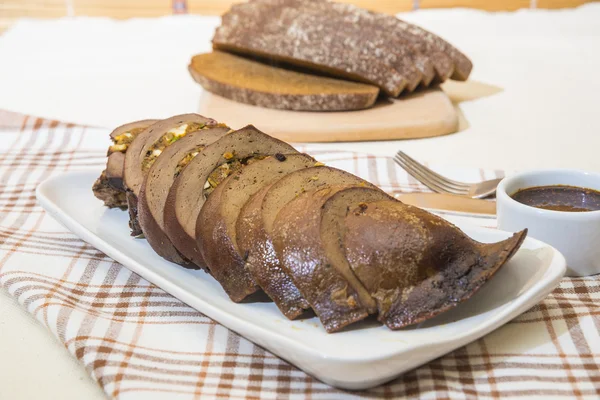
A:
(363, 356)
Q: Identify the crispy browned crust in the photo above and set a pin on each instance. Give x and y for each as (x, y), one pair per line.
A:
(416, 264)
(215, 230)
(186, 197)
(111, 197)
(236, 78)
(156, 187)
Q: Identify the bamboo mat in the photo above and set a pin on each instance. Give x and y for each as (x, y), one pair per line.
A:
(11, 10)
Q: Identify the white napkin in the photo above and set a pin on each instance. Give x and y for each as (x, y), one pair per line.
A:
(102, 72)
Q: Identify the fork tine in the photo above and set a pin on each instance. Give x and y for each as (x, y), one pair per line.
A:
(426, 180)
(433, 180)
(442, 184)
(443, 180)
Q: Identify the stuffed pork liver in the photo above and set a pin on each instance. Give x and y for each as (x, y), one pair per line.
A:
(158, 182)
(145, 149)
(415, 264)
(255, 226)
(215, 229)
(202, 175)
(109, 186)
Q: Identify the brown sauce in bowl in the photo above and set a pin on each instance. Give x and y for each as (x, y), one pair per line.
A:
(560, 198)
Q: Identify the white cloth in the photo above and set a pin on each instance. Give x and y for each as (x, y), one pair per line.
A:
(102, 72)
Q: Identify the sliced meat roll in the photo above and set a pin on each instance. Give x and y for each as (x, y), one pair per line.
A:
(415, 264)
(308, 241)
(160, 178)
(255, 224)
(215, 227)
(109, 186)
(122, 137)
(204, 173)
(145, 149)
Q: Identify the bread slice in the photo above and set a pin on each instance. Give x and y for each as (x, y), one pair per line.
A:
(393, 49)
(215, 230)
(252, 82)
(369, 21)
(188, 193)
(109, 186)
(145, 149)
(255, 225)
(416, 264)
(158, 181)
(284, 32)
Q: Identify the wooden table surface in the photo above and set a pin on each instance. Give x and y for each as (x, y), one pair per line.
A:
(11, 10)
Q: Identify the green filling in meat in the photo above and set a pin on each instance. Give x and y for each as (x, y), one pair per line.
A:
(168, 138)
(233, 164)
(122, 141)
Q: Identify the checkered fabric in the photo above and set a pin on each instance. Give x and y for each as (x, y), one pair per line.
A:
(138, 342)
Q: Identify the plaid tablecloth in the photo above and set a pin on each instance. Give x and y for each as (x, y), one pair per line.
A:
(138, 342)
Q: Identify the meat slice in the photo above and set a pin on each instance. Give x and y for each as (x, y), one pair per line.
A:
(209, 168)
(415, 264)
(158, 181)
(308, 244)
(215, 228)
(109, 186)
(255, 224)
(122, 137)
(145, 149)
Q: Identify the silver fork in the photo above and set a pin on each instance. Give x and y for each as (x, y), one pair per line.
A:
(441, 184)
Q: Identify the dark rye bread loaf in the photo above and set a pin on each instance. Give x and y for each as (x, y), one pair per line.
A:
(145, 149)
(251, 82)
(188, 193)
(308, 39)
(415, 264)
(390, 47)
(156, 186)
(449, 61)
(215, 229)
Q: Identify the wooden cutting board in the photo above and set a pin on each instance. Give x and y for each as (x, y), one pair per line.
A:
(424, 114)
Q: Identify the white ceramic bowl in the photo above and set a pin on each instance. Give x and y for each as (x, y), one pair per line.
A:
(575, 234)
